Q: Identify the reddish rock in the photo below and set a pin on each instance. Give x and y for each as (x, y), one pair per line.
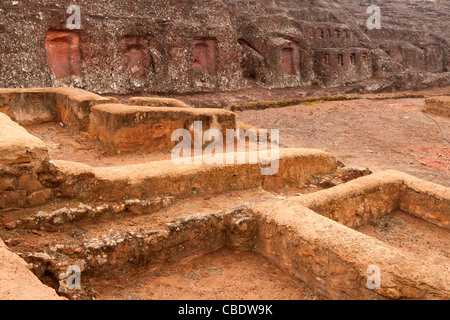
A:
(13, 199)
(197, 46)
(39, 198)
(63, 53)
(136, 57)
(7, 184)
(29, 182)
(204, 53)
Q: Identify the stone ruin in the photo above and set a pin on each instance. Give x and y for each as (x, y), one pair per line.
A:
(125, 47)
(202, 46)
(314, 236)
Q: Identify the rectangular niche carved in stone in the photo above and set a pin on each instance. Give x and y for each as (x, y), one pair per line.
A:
(340, 59)
(326, 59)
(205, 57)
(364, 57)
(290, 58)
(287, 61)
(136, 56)
(63, 53)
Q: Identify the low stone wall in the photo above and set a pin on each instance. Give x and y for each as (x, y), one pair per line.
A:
(356, 202)
(334, 259)
(438, 105)
(164, 178)
(48, 220)
(25, 169)
(157, 102)
(426, 200)
(71, 106)
(28, 107)
(183, 239)
(116, 253)
(319, 249)
(123, 128)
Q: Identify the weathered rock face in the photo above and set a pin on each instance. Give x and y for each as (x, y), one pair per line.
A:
(198, 46)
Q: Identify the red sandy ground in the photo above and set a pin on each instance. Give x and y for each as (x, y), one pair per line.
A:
(379, 134)
(221, 275)
(411, 234)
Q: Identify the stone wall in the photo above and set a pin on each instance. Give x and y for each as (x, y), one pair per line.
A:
(163, 179)
(25, 168)
(438, 105)
(124, 128)
(71, 106)
(306, 236)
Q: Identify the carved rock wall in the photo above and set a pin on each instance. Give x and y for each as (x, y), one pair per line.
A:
(174, 46)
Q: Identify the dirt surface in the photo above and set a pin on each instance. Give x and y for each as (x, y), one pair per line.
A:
(412, 235)
(379, 134)
(228, 100)
(222, 275)
(66, 144)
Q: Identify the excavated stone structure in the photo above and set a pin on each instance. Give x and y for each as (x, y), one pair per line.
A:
(171, 46)
(438, 105)
(313, 237)
(223, 45)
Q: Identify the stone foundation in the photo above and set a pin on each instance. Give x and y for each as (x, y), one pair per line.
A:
(25, 169)
(438, 105)
(69, 105)
(123, 128)
(163, 178)
(325, 254)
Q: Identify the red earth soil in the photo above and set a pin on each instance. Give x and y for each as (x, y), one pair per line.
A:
(379, 134)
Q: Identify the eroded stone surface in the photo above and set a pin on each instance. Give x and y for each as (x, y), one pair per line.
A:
(63, 53)
(17, 282)
(198, 46)
(438, 105)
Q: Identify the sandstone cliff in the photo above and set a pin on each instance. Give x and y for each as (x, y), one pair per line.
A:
(174, 46)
